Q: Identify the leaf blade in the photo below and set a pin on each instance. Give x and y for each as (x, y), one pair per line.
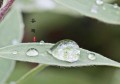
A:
(11, 23)
(45, 58)
(105, 13)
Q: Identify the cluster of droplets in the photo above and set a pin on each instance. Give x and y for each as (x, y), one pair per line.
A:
(65, 50)
(95, 7)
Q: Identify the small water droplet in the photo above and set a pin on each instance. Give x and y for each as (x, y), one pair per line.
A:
(94, 9)
(32, 52)
(99, 2)
(65, 50)
(45, 4)
(14, 52)
(115, 5)
(91, 56)
(14, 42)
(41, 42)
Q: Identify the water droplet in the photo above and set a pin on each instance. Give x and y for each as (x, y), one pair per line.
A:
(41, 42)
(14, 42)
(91, 56)
(65, 50)
(45, 4)
(94, 9)
(99, 2)
(115, 5)
(14, 52)
(32, 52)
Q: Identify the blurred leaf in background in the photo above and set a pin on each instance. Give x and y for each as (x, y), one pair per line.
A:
(11, 32)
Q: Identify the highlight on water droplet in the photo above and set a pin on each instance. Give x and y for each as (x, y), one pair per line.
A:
(15, 52)
(32, 52)
(94, 9)
(91, 56)
(99, 2)
(65, 50)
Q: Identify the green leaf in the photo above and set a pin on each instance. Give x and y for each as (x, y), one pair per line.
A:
(11, 28)
(33, 6)
(6, 67)
(105, 12)
(11, 32)
(18, 52)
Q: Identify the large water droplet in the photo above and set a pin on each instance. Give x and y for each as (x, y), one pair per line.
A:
(115, 5)
(65, 50)
(32, 52)
(91, 56)
(14, 52)
(99, 2)
(94, 9)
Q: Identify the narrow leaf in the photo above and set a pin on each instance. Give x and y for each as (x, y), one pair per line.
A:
(41, 55)
(11, 32)
(105, 12)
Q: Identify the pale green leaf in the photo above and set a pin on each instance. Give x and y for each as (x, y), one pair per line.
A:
(11, 32)
(34, 6)
(6, 67)
(105, 12)
(45, 58)
(11, 28)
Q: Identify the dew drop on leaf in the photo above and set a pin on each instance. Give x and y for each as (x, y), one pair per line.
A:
(115, 5)
(41, 42)
(94, 9)
(91, 56)
(32, 52)
(99, 2)
(14, 52)
(45, 4)
(65, 50)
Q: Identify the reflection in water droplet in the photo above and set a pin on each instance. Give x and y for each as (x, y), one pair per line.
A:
(115, 6)
(65, 50)
(32, 52)
(94, 9)
(99, 2)
(41, 42)
(91, 56)
(14, 52)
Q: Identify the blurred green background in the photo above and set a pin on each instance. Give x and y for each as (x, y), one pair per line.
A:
(53, 23)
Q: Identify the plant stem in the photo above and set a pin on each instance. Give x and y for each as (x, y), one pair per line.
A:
(4, 10)
(31, 73)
